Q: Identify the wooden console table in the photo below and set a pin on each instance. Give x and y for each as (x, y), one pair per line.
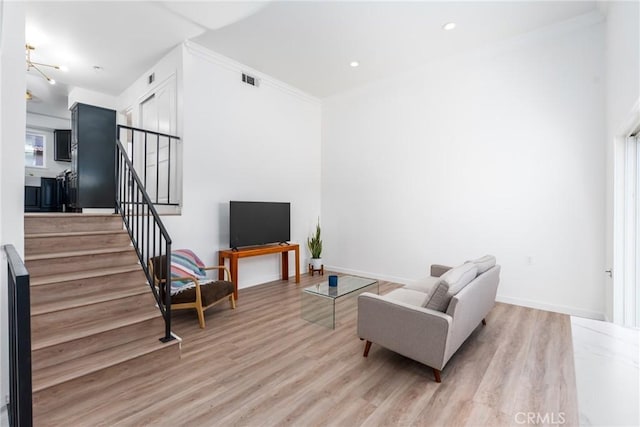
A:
(233, 257)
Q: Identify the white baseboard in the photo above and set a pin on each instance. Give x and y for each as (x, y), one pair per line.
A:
(399, 280)
(572, 311)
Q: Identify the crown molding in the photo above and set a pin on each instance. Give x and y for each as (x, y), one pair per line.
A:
(233, 65)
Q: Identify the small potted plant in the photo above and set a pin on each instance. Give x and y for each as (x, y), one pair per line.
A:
(314, 243)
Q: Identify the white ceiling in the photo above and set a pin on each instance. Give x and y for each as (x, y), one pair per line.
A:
(306, 44)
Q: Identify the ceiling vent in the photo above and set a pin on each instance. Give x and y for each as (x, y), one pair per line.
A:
(253, 81)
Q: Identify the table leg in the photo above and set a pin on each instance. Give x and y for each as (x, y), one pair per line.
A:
(285, 265)
(220, 262)
(234, 275)
(297, 252)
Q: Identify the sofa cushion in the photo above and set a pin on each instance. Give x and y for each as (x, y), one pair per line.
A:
(452, 282)
(459, 277)
(425, 285)
(484, 263)
(210, 292)
(407, 296)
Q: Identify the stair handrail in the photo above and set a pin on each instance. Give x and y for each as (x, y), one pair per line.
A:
(143, 139)
(19, 407)
(134, 205)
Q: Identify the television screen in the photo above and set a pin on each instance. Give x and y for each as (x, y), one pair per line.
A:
(259, 223)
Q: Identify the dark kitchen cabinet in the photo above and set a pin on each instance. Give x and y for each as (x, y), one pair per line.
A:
(93, 142)
(31, 199)
(48, 195)
(62, 145)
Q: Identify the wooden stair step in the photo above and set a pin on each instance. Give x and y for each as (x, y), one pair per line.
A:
(42, 243)
(59, 222)
(65, 351)
(87, 287)
(107, 295)
(73, 261)
(79, 322)
(69, 254)
(84, 275)
(57, 404)
(76, 368)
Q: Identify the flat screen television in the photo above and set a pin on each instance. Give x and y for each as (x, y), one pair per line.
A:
(259, 223)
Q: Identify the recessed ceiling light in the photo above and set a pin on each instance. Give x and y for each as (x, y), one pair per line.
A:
(354, 64)
(52, 82)
(449, 26)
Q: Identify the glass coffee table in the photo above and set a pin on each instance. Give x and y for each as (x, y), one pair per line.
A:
(318, 302)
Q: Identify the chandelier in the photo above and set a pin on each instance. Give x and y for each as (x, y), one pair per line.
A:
(37, 65)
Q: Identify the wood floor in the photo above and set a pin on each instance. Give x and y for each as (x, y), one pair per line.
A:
(261, 364)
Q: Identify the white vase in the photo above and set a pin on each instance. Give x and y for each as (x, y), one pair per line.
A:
(316, 263)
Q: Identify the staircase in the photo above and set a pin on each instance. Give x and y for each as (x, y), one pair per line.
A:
(93, 317)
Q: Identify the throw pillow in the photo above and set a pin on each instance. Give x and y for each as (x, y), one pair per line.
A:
(452, 282)
(439, 297)
(185, 263)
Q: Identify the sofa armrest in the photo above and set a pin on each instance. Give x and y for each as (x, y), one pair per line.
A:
(415, 332)
(438, 270)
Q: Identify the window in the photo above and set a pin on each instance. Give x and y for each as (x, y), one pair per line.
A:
(34, 150)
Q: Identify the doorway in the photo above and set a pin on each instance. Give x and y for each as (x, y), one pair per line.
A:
(626, 298)
(158, 156)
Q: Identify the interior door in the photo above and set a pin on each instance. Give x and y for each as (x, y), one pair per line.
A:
(147, 148)
(158, 114)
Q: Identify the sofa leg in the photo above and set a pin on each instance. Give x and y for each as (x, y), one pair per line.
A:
(436, 373)
(484, 322)
(367, 346)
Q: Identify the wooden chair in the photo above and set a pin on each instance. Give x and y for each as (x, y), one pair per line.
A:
(203, 295)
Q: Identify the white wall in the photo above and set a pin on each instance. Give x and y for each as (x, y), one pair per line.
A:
(169, 67)
(497, 151)
(12, 125)
(46, 125)
(623, 92)
(91, 97)
(244, 143)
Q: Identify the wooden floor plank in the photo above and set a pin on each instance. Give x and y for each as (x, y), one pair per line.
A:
(262, 364)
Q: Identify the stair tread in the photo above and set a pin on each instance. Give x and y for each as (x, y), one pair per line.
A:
(76, 368)
(66, 304)
(86, 274)
(83, 331)
(74, 234)
(77, 253)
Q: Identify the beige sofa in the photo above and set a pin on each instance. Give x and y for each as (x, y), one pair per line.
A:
(429, 320)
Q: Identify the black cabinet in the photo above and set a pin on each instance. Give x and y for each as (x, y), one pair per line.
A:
(48, 195)
(93, 142)
(44, 198)
(62, 145)
(31, 199)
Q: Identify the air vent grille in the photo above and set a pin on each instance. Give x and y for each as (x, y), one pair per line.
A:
(250, 80)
